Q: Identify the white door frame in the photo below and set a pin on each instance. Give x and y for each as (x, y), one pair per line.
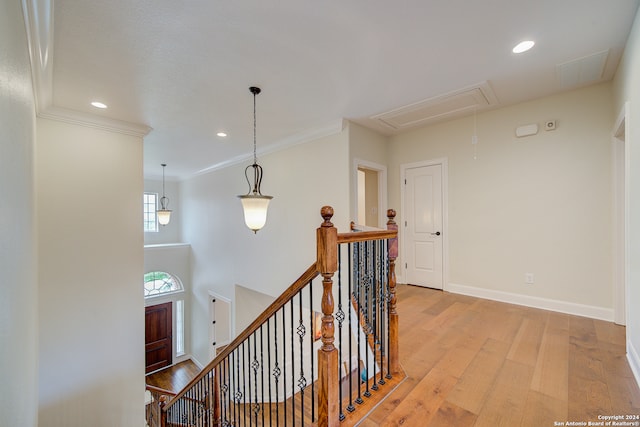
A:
(212, 348)
(620, 192)
(382, 189)
(444, 163)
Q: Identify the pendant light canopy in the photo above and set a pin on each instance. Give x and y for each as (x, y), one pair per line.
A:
(164, 214)
(255, 205)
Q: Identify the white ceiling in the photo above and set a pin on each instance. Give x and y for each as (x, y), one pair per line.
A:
(183, 68)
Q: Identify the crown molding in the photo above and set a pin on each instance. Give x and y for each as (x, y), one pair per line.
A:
(310, 135)
(95, 122)
(38, 21)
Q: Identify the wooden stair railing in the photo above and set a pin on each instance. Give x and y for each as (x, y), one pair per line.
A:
(229, 391)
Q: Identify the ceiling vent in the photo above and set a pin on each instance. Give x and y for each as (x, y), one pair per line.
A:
(439, 108)
(581, 71)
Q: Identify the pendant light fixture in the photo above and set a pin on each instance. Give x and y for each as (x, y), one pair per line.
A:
(255, 205)
(164, 214)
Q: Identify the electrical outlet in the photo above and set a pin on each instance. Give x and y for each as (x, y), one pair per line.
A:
(528, 278)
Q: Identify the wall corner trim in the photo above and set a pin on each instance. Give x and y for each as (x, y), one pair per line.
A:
(634, 361)
(600, 313)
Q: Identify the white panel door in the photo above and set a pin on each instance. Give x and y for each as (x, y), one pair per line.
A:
(423, 226)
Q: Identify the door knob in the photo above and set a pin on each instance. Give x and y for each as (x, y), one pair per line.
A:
(437, 233)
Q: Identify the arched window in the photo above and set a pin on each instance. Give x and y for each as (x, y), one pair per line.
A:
(160, 283)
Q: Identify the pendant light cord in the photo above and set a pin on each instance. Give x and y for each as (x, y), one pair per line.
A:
(255, 157)
(163, 166)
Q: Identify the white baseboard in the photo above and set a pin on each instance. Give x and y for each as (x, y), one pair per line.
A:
(634, 361)
(197, 362)
(593, 312)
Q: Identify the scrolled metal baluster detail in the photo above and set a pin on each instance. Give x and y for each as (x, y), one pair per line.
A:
(276, 368)
(255, 365)
(302, 381)
(352, 254)
(311, 340)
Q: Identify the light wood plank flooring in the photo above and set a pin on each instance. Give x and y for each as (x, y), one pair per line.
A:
(475, 362)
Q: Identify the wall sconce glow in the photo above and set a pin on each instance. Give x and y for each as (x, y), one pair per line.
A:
(254, 204)
(98, 104)
(523, 46)
(221, 134)
(164, 214)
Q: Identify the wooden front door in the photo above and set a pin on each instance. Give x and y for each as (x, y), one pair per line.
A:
(158, 339)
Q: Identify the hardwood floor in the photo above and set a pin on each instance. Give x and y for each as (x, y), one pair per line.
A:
(175, 377)
(474, 362)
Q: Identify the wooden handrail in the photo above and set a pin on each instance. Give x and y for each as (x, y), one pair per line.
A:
(302, 281)
(327, 240)
(362, 236)
(160, 390)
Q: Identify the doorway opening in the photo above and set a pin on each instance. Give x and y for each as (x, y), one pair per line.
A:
(371, 193)
(424, 224)
(220, 326)
(620, 217)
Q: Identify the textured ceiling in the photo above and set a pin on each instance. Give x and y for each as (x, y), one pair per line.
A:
(184, 68)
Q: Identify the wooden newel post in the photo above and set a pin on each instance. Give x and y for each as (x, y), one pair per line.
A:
(394, 353)
(327, 263)
(162, 401)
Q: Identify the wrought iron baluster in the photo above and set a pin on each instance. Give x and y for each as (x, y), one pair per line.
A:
(244, 384)
(359, 332)
(262, 372)
(302, 382)
(388, 307)
(367, 326)
(293, 370)
(276, 368)
(374, 309)
(284, 365)
(351, 252)
(312, 340)
(269, 365)
(340, 319)
(255, 366)
(224, 395)
(236, 380)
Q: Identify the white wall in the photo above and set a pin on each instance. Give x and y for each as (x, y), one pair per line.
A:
(173, 258)
(18, 256)
(91, 326)
(539, 204)
(169, 233)
(302, 179)
(368, 146)
(627, 88)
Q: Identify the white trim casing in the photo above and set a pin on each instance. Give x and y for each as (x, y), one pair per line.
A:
(39, 25)
(444, 162)
(212, 348)
(634, 361)
(590, 311)
(382, 188)
(620, 203)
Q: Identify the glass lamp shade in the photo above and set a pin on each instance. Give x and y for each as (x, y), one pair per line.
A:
(255, 210)
(164, 216)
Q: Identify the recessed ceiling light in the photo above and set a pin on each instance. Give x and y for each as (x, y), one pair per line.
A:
(523, 46)
(221, 134)
(99, 105)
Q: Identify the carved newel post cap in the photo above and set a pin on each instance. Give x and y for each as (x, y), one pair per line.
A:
(326, 213)
(391, 214)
